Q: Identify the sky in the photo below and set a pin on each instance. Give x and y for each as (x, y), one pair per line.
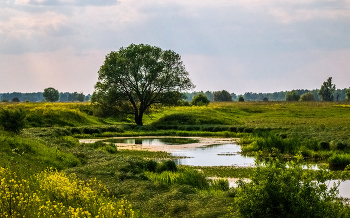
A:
(234, 45)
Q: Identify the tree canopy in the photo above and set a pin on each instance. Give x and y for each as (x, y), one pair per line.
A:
(309, 96)
(327, 90)
(200, 100)
(347, 94)
(51, 94)
(135, 77)
(222, 96)
(292, 96)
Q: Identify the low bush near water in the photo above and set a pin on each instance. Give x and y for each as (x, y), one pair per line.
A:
(281, 191)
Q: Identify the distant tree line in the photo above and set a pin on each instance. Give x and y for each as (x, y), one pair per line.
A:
(38, 97)
(338, 95)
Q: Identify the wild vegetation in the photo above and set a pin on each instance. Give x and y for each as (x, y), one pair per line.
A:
(97, 177)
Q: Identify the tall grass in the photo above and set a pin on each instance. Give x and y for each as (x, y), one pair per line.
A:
(185, 176)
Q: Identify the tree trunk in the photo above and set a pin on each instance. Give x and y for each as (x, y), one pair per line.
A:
(138, 118)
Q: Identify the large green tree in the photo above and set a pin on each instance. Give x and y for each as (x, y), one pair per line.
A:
(51, 94)
(327, 90)
(135, 77)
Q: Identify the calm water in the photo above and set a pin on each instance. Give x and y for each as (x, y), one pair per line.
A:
(154, 141)
(218, 155)
(214, 155)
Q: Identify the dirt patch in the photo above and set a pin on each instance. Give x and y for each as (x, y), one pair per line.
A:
(203, 142)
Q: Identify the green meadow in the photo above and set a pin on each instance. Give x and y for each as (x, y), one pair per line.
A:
(46, 172)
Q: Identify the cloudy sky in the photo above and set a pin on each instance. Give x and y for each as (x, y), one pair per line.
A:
(236, 45)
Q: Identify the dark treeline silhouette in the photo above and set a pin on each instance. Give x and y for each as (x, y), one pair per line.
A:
(38, 96)
(339, 95)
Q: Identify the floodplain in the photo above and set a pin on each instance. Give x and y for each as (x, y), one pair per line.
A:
(155, 183)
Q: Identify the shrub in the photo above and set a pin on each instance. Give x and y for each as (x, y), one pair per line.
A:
(232, 129)
(151, 165)
(222, 96)
(90, 130)
(241, 98)
(292, 96)
(334, 145)
(200, 100)
(168, 165)
(76, 130)
(339, 160)
(307, 97)
(15, 99)
(13, 120)
(324, 145)
(347, 94)
(280, 191)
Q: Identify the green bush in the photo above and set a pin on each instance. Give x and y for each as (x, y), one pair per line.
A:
(278, 190)
(307, 97)
(168, 165)
(200, 100)
(324, 145)
(75, 130)
(339, 160)
(13, 120)
(292, 96)
(91, 130)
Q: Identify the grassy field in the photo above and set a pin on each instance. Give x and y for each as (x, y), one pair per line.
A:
(148, 184)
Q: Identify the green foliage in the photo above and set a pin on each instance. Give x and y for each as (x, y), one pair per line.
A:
(347, 94)
(13, 120)
(281, 191)
(185, 176)
(222, 96)
(187, 119)
(324, 145)
(241, 98)
(292, 96)
(309, 96)
(80, 97)
(51, 94)
(200, 100)
(339, 160)
(327, 90)
(168, 165)
(15, 99)
(135, 77)
(4, 100)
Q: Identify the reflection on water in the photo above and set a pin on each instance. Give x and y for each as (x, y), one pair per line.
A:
(218, 155)
(154, 141)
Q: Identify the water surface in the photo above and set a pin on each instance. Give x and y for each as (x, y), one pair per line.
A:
(214, 155)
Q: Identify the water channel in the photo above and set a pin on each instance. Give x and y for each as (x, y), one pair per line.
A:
(201, 153)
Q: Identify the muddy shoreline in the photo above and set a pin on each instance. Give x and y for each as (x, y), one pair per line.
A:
(203, 142)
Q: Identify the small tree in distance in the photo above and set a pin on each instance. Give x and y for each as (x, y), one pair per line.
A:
(347, 94)
(327, 90)
(309, 96)
(80, 97)
(241, 98)
(15, 99)
(292, 96)
(222, 96)
(200, 100)
(51, 94)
